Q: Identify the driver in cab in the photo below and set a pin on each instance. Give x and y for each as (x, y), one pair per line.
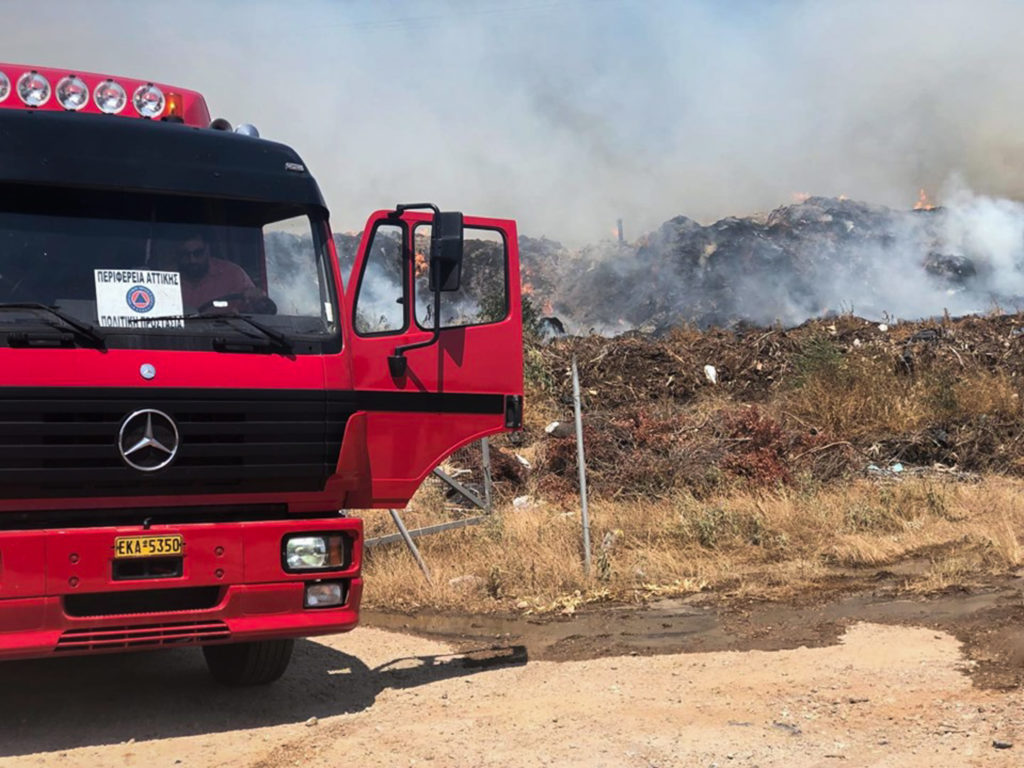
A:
(206, 279)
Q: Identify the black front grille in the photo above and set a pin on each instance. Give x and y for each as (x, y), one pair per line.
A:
(142, 601)
(63, 442)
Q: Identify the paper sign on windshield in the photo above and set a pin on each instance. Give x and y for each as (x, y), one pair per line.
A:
(123, 296)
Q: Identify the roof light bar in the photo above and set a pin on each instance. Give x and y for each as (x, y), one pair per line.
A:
(33, 89)
(90, 93)
(72, 92)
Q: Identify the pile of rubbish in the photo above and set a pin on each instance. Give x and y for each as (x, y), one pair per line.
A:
(751, 364)
(703, 410)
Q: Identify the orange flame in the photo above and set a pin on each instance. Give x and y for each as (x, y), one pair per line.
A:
(800, 197)
(548, 308)
(421, 265)
(923, 203)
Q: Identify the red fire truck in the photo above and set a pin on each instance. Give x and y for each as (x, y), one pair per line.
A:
(191, 396)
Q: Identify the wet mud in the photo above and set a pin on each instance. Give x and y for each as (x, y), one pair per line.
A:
(987, 619)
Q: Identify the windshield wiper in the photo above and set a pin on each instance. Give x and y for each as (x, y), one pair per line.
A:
(80, 328)
(277, 338)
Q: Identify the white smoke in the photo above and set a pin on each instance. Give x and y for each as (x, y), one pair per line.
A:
(990, 231)
(567, 115)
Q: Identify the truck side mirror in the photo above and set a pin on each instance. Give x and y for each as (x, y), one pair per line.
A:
(446, 242)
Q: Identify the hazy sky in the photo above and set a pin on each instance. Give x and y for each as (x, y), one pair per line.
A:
(567, 114)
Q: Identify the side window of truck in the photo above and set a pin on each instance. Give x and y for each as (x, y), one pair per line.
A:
(380, 298)
(482, 297)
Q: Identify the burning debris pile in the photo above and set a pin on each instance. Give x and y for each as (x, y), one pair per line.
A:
(815, 258)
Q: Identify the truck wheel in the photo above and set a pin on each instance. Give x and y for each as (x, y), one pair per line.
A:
(255, 663)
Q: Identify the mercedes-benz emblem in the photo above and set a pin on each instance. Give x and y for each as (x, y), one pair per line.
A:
(148, 440)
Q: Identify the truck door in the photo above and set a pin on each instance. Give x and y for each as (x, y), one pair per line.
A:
(455, 386)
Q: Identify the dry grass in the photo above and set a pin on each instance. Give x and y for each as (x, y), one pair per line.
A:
(763, 544)
(863, 396)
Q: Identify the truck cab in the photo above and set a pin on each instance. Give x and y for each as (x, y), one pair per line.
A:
(193, 397)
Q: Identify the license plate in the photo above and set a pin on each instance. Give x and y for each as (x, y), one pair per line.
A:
(148, 546)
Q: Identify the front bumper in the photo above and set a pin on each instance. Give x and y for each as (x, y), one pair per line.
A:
(60, 594)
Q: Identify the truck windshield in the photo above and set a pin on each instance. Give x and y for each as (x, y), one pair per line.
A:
(136, 267)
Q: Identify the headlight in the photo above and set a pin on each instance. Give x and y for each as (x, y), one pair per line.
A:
(110, 97)
(34, 89)
(72, 92)
(305, 552)
(5, 86)
(312, 552)
(148, 100)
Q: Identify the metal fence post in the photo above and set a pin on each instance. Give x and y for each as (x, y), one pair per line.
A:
(410, 543)
(581, 462)
(485, 449)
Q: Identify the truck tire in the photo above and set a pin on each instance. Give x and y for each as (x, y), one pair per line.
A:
(256, 663)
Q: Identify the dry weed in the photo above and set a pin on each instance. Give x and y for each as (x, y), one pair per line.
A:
(770, 543)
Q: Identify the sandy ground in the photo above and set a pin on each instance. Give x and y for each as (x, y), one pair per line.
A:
(881, 695)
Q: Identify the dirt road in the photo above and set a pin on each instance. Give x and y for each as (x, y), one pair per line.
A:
(872, 694)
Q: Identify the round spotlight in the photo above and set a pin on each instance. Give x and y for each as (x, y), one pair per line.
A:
(110, 97)
(247, 129)
(33, 89)
(72, 92)
(5, 86)
(148, 100)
